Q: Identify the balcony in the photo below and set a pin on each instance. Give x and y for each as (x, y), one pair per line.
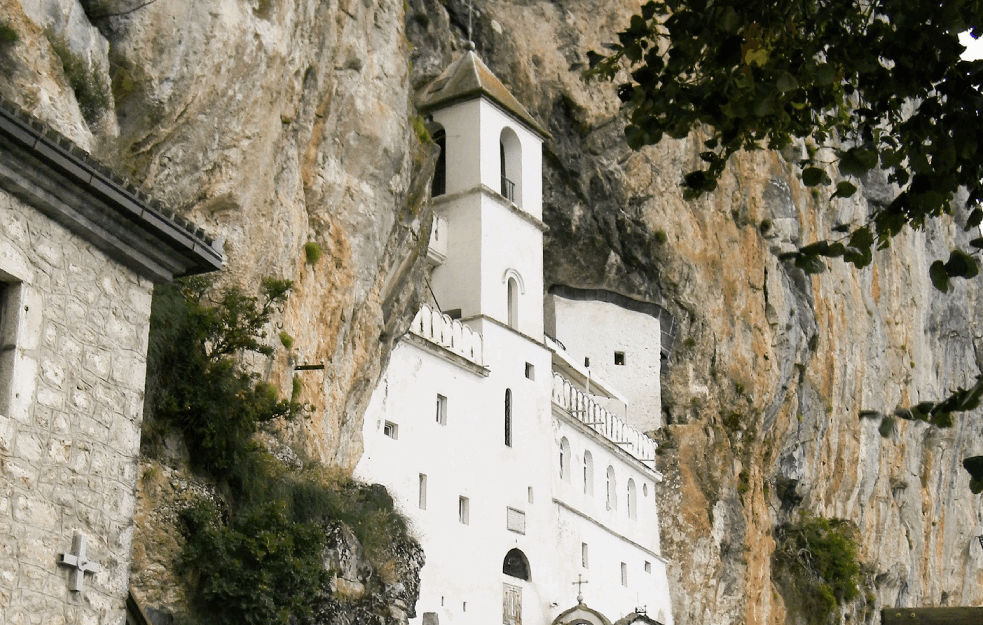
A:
(439, 329)
(580, 406)
(508, 189)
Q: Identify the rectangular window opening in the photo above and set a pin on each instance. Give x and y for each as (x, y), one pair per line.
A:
(619, 358)
(8, 341)
(583, 555)
(423, 491)
(648, 566)
(586, 361)
(391, 430)
(530, 371)
(441, 409)
(463, 512)
(530, 494)
(624, 574)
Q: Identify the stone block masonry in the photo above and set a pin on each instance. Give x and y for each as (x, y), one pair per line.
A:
(74, 330)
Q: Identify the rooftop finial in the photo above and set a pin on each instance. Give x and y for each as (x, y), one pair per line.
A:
(470, 43)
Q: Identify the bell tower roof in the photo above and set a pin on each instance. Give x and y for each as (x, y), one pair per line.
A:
(468, 78)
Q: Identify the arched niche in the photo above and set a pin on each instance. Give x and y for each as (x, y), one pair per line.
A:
(611, 489)
(516, 565)
(514, 288)
(588, 473)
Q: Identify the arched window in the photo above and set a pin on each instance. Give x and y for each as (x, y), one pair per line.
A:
(510, 158)
(439, 185)
(611, 488)
(513, 297)
(516, 565)
(588, 473)
(632, 504)
(508, 417)
(565, 459)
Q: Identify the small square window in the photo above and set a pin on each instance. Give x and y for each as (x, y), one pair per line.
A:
(423, 491)
(619, 358)
(624, 574)
(583, 555)
(391, 430)
(463, 510)
(530, 371)
(441, 409)
(648, 566)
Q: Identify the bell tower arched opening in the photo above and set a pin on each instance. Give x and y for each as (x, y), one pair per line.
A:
(510, 159)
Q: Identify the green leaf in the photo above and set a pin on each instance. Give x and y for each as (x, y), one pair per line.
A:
(593, 58)
(977, 243)
(813, 176)
(786, 82)
(862, 238)
(975, 218)
(635, 137)
(940, 278)
(857, 161)
(810, 264)
(974, 466)
(961, 265)
(844, 189)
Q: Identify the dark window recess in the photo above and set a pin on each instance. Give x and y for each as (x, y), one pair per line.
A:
(619, 358)
(516, 565)
(439, 186)
(508, 417)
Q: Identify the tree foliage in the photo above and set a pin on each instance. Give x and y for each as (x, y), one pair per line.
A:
(864, 85)
(867, 85)
(198, 380)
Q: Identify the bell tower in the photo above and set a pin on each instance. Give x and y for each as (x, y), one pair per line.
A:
(488, 198)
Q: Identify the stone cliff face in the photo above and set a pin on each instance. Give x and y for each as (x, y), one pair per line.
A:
(275, 123)
(271, 124)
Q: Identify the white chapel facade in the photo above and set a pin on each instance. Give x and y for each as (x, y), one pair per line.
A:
(495, 442)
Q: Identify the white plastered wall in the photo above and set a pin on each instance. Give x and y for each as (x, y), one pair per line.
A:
(468, 457)
(612, 536)
(596, 330)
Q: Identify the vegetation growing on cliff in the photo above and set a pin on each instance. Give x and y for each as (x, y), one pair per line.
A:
(255, 554)
(90, 91)
(817, 566)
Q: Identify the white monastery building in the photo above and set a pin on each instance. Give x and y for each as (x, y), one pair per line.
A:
(516, 465)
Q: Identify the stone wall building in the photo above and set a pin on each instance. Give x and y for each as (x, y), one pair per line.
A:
(80, 252)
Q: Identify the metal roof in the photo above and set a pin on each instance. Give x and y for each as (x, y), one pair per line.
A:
(49, 172)
(468, 78)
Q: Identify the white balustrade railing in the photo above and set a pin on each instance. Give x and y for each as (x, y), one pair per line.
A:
(450, 334)
(580, 405)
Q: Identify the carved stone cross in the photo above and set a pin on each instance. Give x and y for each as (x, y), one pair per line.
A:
(580, 587)
(76, 558)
